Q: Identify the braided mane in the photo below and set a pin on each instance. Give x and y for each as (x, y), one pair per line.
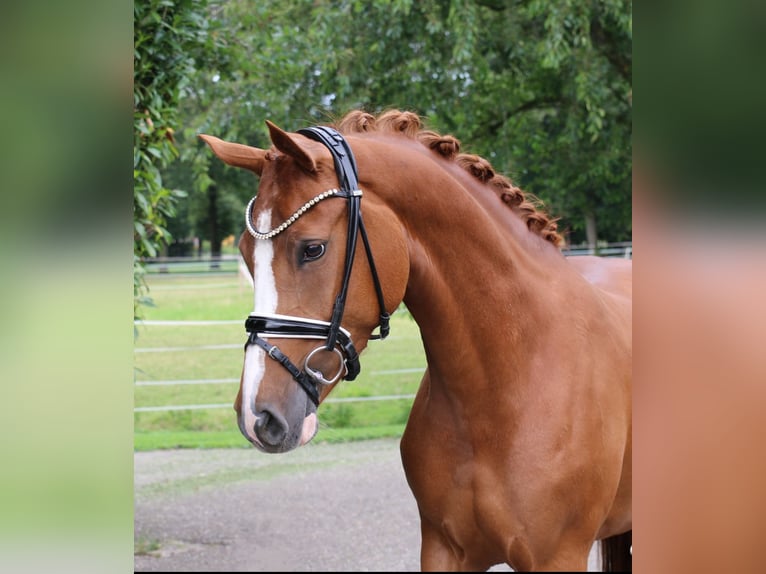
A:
(525, 205)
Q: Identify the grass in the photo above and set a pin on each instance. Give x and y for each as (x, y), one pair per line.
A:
(144, 547)
(157, 440)
(390, 367)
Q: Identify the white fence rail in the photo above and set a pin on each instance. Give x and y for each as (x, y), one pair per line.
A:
(229, 405)
(234, 264)
(624, 250)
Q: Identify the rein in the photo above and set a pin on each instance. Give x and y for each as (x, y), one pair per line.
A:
(289, 327)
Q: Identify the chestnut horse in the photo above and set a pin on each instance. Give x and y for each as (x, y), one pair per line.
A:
(518, 444)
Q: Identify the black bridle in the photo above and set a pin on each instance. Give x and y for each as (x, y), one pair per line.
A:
(284, 326)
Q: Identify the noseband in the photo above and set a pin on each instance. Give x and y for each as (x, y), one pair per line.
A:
(289, 327)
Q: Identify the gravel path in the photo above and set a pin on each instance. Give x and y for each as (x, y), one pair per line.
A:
(322, 507)
(319, 508)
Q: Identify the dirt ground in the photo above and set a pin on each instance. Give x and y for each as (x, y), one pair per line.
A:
(321, 508)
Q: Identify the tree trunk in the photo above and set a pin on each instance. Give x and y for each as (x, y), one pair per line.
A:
(215, 234)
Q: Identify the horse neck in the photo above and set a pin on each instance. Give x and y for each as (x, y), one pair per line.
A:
(480, 282)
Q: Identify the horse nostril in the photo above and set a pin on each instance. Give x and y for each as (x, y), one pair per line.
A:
(270, 428)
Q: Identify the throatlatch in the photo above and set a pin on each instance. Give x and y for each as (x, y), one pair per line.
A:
(285, 326)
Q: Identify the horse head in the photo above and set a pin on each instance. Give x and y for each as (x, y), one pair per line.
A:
(319, 292)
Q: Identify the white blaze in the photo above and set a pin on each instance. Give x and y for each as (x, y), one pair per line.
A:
(265, 289)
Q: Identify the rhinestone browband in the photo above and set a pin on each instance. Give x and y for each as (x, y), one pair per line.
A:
(290, 220)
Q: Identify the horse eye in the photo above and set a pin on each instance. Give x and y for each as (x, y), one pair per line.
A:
(313, 251)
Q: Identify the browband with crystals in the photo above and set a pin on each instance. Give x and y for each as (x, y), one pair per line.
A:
(292, 219)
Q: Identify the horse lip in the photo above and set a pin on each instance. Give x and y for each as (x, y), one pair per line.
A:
(307, 432)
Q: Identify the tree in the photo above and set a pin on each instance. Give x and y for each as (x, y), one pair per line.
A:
(259, 45)
(540, 88)
(167, 37)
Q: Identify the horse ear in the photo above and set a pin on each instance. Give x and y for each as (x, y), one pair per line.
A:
(237, 155)
(288, 146)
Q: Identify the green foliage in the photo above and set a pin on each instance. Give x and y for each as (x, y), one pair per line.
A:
(576, 149)
(542, 89)
(166, 37)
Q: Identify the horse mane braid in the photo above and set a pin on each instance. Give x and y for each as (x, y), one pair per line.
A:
(409, 124)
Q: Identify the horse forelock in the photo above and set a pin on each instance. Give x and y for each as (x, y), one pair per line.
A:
(409, 124)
